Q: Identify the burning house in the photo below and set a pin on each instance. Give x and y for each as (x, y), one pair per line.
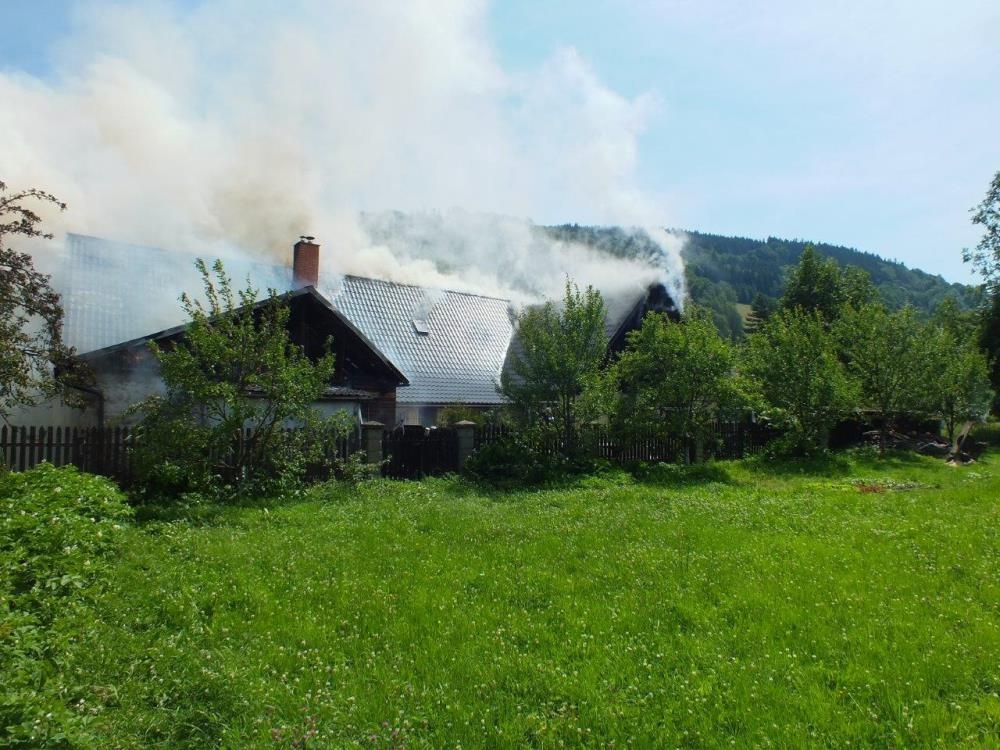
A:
(403, 352)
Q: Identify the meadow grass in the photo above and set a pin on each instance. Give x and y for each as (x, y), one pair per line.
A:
(847, 602)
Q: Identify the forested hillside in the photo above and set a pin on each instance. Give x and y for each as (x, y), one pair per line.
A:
(723, 272)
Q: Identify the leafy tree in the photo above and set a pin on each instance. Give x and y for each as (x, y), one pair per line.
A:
(559, 351)
(233, 382)
(680, 374)
(958, 378)
(792, 369)
(719, 299)
(820, 284)
(761, 309)
(34, 362)
(814, 285)
(857, 288)
(888, 354)
(985, 257)
(989, 342)
(960, 323)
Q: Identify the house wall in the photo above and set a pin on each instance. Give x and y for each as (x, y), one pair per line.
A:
(417, 414)
(382, 409)
(124, 386)
(127, 386)
(427, 414)
(53, 413)
(329, 408)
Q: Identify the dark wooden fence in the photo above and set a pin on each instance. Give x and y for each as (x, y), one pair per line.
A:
(725, 440)
(491, 433)
(409, 452)
(99, 451)
(413, 452)
(106, 451)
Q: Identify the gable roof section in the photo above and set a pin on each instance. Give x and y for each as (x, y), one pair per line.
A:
(623, 314)
(457, 360)
(115, 291)
(299, 299)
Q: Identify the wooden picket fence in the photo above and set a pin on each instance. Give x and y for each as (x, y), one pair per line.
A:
(410, 452)
(96, 450)
(106, 451)
(726, 440)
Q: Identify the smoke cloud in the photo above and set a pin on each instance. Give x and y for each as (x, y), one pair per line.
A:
(238, 125)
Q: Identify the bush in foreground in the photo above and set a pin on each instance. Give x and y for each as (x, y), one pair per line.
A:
(58, 529)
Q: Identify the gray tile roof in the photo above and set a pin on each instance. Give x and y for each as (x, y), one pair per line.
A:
(460, 357)
(114, 291)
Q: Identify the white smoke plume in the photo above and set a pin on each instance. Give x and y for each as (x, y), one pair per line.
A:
(237, 125)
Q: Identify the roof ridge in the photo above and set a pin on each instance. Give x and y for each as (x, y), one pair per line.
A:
(434, 288)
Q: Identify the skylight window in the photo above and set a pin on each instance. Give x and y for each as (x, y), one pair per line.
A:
(421, 327)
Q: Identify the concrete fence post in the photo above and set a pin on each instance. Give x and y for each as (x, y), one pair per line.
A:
(371, 441)
(465, 434)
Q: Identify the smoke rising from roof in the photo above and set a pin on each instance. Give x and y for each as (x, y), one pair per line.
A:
(242, 125)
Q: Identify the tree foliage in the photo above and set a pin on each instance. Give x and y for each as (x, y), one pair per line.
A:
(761, 309)
(958, 378)
(985, 257)
(962, 324)
(34, 362)
(791, 367)
(857, 288)
(233, 382)
(814, 285)
(558, 354)
(888, 354)
(989, 342)
(678, 375)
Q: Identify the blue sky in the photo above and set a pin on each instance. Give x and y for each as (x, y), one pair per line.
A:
(873, 127)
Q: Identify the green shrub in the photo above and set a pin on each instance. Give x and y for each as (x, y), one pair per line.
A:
(233, 383)
(518, 460)
(452, 414)
(355, 470)
(58, 528)
(167, 470)
(57, 525)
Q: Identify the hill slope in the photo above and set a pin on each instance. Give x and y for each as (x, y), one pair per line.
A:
(723, 272)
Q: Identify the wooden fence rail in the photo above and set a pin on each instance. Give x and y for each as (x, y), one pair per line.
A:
(409, 453)
(101, 451)
(725, 440)
(107, 451)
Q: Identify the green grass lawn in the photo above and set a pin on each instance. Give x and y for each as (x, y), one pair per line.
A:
(850, 603)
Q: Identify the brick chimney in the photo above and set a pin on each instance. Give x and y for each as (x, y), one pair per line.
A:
(305, 262)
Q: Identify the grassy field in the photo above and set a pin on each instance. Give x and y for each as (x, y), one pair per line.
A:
(850, 603)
